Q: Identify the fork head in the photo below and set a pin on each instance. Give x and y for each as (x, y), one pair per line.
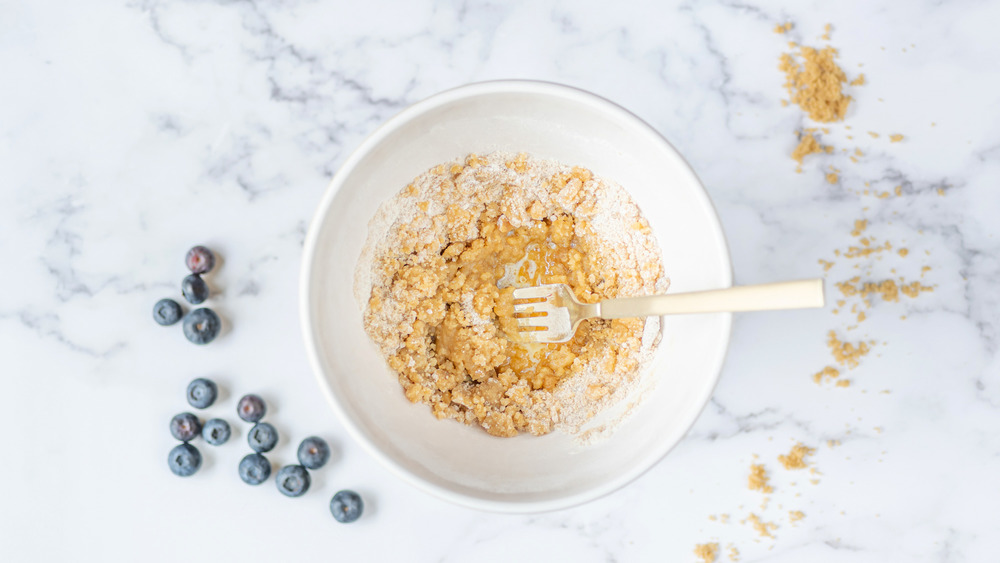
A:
(545, 313)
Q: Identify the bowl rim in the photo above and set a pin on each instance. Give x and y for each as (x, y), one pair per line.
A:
(311, 241)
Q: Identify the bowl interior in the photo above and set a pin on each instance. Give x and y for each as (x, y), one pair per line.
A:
(461, 463)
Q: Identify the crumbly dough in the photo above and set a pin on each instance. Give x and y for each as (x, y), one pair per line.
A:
(465, 235)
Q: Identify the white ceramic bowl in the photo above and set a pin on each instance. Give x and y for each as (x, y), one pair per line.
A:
(463, 464)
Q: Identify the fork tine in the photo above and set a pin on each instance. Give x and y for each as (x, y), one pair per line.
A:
(543, 307)
(533, 322)
(534, 292)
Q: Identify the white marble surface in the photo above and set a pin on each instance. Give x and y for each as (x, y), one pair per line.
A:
(131, 130)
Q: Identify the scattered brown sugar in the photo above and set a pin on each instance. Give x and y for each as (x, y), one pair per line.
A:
(866, 249)
(903, 252)
(924, 270)
(795, 515)
(734, 554)
(899, 190)
(826, 264)
(831, 177)
(883, 195)
(844, 383)
(829, 372)
(887, 289)
(913, 289)
(757, 480)
(861, 316)
(895, 138)
(873, 134)
(816, 84)
(846, 353)
(783, 27)
(859, 226)
(808, 145)
(762, 528)
(940, 191)
(826, 32)
(796, 459)
(707, 552)
(859, 81)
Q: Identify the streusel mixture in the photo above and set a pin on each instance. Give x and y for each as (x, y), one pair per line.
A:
(445, 254)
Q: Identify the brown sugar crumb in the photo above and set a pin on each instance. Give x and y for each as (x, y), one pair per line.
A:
(857, 152)
(913, 289)
(924, 270)
(866, 249)
(707, 552)
(734, 554)
(831, 177)
(859, 226)
(859, 81)
(899, 190)
(762, 528)
(846, 353)
(826, 32)
(826, 264)
(940, 191)
(844, 383)
(796, 458)
(887, 289)
(829, 372)
(861, 316)
(783, 27)
(895, 138)
(903, 252)
(873, 134)
(808, 145)
(795, 515)
(816, 84)
(757, 481)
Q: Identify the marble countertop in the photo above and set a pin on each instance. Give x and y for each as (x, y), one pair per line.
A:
(131, 130)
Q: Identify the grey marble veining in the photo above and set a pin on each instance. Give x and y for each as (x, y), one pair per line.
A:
(130, 131)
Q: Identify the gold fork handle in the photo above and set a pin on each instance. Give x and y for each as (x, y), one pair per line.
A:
(802, 294)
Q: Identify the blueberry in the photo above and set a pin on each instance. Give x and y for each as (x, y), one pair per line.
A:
(185, 427)
(216, 432)
(184, 460)
(201, 326)
(313, 452)
(251, 408)
(254, 469)
(199, 260)
(262, 437)
(194, 289)
(201, 393)
(293, 480)
(346, 506)
(167, 312)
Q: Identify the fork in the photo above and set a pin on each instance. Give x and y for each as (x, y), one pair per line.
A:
(551, 313)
